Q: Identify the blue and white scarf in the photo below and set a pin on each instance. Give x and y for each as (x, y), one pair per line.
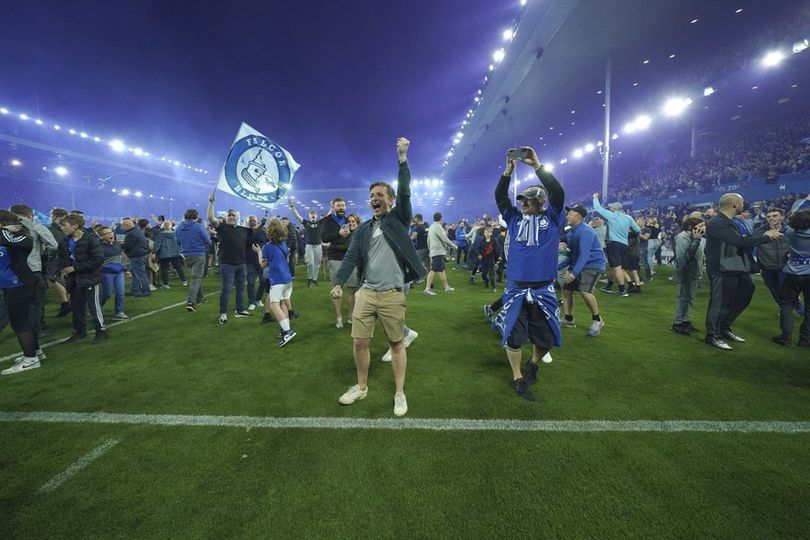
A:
(513, 298)
(529, 229)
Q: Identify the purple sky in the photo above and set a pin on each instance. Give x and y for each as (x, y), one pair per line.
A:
(334, 82)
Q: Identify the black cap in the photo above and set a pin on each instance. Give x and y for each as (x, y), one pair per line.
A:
(577, 208)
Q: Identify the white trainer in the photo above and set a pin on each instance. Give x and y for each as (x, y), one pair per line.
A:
(259, 303)
(429, 292)
(407, 340)
(24, 365)
(400, 404)
(339, 323)
(449, 289)
(251, 307)
(353, 394)
(546, 358)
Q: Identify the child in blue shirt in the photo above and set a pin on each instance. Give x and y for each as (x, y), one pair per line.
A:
(274, 256)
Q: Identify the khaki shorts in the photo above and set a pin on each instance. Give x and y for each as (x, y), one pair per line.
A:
(334, 266)
(387, 306)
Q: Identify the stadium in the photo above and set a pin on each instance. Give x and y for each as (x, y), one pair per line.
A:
(414, 186)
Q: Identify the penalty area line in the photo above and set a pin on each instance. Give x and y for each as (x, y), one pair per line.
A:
(74, 469)
(116, 323)
(430, 424)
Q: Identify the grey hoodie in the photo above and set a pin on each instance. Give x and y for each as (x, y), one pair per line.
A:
(799, 242)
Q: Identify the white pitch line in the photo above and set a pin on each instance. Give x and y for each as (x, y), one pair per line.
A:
(430, 424)
(116, 323)
(83, 462)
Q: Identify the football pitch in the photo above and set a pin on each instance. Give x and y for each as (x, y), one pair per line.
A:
(180, 427)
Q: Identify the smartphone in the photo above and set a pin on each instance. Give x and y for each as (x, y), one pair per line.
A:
(520, 153)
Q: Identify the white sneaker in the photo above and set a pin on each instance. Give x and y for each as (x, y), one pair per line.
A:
(407, 340)
(223, 318)
(449, 289)
(429, 292)
(185, 284)
(546, 358)
(259, 303)
(412, 335)
(353, 394)
(400, 404)
(339, 323)
(251, 307)
(152, 287)
(24, 365)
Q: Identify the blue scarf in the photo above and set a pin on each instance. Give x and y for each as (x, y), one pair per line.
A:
(340, 221)
(513, 299)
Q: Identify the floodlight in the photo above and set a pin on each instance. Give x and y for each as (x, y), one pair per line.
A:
(708, 91)
(23, 116)
(124, 192)
(138, 151)
(138, 194)
(83, 135)
(799, 46)
(642, 121)
(614, 137)
(57, 127)
(72, 131)
(508, 35)
(589, 147)
(563, 161)
(523, 2)
(459, 135)
(38, 122)
(177, 163)
(97, 139)
(491, 67)
(578, 153)
(117, 145)
(61, 171)
(3, 110)
(16, 163)
(773, 58)
(675, 106)
(548, 166)
(630, 128)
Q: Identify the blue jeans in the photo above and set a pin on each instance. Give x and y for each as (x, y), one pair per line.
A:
(232, 275)
(113, 281)
(140, 279)
(773, 280)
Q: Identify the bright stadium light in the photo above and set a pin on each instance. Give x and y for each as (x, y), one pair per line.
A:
(614, 136)
(773, 58)
(499, 55)
(61, 171)
(138, 152)
(3, 110)
(38, 122)
(138, 194)
(124, 192)
(508, 35)
(676, 105)
(589, 147)
(16, 163)
(23, 116)
(563, 161)
(97, 139)
(83, 135)
(548, 166)
(491, 67)
(118, 145)
(801, 45)
(630, 128)
(523, 2)
(57, 127)
(578, 153)
(708, 91)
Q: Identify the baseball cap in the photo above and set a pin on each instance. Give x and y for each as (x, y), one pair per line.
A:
(577, 208)
(615, 206)
(533, 192)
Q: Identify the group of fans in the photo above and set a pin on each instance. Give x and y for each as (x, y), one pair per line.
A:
(538, 247)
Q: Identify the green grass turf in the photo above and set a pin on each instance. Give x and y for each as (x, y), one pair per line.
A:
(193, 482)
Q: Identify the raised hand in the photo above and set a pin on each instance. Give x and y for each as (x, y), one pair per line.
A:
(531, 158)
(402, 147)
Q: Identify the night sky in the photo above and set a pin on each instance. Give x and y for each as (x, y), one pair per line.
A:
(333, 82)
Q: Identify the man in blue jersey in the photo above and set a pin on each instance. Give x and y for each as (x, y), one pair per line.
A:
(530, 311)
(619, 226)
(587, 262)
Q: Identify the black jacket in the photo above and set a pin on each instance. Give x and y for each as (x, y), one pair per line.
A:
(135, 244)
(88, 263)
(394, 226)
(338, 245)
(722, 234)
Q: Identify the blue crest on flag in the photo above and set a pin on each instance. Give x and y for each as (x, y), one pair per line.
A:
(258, 170)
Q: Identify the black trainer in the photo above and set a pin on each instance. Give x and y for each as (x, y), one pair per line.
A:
(64, 309)
(804, 342)
(190, 307)
(267, 319)
(529, 372)
(75, 337)
(680, 329)
(691, 327)
(294, 314)
(782, 340)
(522, 389)
(101, 337)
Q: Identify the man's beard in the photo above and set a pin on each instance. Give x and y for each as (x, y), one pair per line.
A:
(340, 213)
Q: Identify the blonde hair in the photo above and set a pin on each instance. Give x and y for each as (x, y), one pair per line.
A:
(276, 231)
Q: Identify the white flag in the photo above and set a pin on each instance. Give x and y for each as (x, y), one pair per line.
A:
(257, 169)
